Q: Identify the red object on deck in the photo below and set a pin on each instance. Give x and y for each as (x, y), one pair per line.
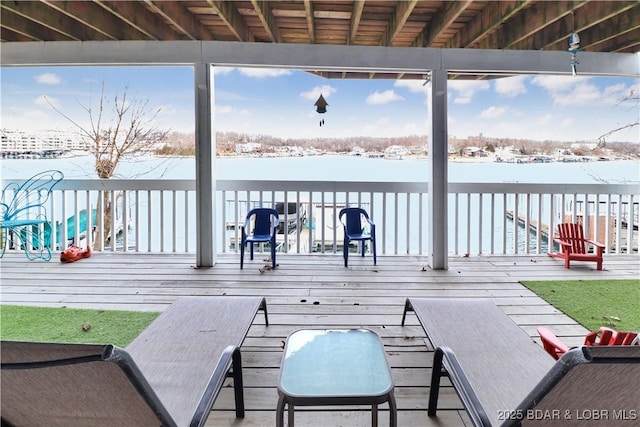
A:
(74, 253)
(605, 336)
(573, 245)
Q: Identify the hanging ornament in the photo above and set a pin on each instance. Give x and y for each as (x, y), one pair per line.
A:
(574, 46)
(321, 107)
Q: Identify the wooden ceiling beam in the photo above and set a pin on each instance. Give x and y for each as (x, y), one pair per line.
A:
(181, 19)
(311, 28)
(16, 27)
(356, 16)
(616, 33)
(523, 25)
(268, 20)
(629, 42)
(488, 20)
(399, 17)
(9, 34)
(91, 15)
(42, 15)
(606, 17)
(135, 15)
(232, 18)
(441, 21)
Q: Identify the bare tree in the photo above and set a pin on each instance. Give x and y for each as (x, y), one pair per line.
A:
(633, 99)
(118, 127)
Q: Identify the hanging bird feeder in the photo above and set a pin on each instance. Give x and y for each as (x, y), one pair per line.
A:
(321, 107)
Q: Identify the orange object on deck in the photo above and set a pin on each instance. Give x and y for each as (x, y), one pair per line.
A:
(74, 253)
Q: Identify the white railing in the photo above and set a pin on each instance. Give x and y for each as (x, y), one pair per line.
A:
(484, 218)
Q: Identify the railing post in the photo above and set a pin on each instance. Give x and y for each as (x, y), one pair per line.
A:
(205, 166)
(438, 179)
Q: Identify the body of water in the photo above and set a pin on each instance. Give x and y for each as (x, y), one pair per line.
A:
(338, 168)
(349, 168)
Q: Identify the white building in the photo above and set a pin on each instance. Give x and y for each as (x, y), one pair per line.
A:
(19, 141)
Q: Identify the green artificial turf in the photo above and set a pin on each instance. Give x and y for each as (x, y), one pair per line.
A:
(43, 324)
(594, 303)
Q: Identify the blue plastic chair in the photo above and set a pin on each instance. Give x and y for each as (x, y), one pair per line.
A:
(354, 230)
(265, 226)
(23, 214)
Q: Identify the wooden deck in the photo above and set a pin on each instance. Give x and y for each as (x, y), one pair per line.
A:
(314, 291)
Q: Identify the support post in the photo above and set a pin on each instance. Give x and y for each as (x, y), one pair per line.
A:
(205, 166)
(438, 179)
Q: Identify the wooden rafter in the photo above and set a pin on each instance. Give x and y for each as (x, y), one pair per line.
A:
(136, 16)
(487, 21)
(232, 18)
(311, 28)
(40, 17)
(356, 16)
(181, 19)
(532, 25)
(268, 20)
(399, 17)
(449, 12)
(588, 21)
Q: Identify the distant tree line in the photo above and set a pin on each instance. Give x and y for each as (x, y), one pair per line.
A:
(183, 144)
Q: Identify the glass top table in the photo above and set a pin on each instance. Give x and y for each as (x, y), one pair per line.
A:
(334, 367)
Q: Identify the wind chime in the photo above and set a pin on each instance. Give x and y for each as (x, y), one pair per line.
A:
(574, 46)
(321, 107)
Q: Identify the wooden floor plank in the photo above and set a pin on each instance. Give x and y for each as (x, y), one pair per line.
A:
(314, 291)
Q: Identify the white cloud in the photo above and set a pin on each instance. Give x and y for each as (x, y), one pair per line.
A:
(314, 93)
(415, 86)
(466, 89)
(493, 112)
(378, 98)
(511, 86)
(48, 79)
(558, 83)
(262, 73)
(220, 70)
(569, 90)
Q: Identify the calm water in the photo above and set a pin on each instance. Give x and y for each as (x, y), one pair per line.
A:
(338, 168)
(347, 168)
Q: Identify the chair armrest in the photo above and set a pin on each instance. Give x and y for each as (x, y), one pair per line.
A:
(590, 338)
(214, 386)
(594, 243)
(562, 242)
(552, 343)
(370, 222)
(461, 385)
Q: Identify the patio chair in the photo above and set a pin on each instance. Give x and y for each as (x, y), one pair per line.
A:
(588, 386)
(265, 226)
(510, 380)
(575, 247)
(355, 222)
(605, 336)
(23, 215)
(170, 375)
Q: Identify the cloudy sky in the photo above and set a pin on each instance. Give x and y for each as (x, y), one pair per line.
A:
(280, 103)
